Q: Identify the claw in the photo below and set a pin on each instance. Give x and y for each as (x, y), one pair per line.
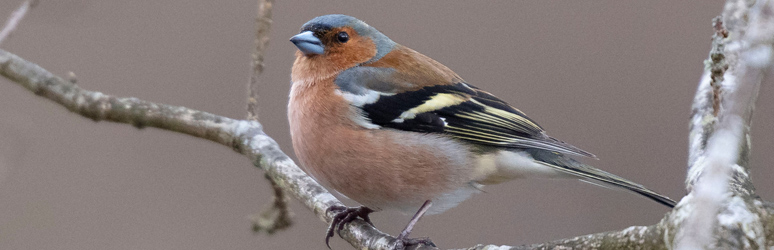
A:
(343, 216)
(406, 243)
(403, 239)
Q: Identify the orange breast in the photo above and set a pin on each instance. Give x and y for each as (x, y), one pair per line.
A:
(380, 168)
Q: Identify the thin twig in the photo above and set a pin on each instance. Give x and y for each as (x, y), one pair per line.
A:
(15, 18)
(275, 217)
(262, 28)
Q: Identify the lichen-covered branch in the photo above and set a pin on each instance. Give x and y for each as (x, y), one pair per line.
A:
(720, 211)
(245, 137)
(636, 237)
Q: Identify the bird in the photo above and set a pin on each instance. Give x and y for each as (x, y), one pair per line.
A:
(391, 128)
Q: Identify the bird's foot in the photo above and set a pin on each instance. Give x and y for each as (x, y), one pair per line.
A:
(406, 243)
(343, 216)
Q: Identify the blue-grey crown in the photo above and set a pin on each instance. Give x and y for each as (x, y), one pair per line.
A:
(383, 43)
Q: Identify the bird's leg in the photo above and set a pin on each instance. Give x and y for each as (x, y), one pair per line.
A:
(403, 237)
(343, 216)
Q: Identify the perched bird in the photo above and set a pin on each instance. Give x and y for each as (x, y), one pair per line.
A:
(392, 128)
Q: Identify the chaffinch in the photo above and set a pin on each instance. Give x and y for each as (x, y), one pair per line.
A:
(392, 128)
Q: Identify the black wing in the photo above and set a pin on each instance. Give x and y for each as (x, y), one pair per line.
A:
(466, 113)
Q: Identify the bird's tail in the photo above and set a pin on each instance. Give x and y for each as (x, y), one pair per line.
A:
(568, 165)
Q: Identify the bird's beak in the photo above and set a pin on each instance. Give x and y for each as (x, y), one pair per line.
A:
(308, 43)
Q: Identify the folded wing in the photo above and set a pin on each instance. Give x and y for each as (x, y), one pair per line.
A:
(458, 109)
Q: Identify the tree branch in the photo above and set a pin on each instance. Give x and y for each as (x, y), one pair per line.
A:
(15, 18)
(262, 28)
(720, 211)
(276, 216)
(245, 137)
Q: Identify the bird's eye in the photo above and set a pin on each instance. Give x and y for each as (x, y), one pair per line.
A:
(343, 37)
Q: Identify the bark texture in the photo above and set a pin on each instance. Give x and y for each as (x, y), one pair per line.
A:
(720, 211)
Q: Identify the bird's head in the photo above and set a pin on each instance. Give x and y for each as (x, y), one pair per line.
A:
(332, 43)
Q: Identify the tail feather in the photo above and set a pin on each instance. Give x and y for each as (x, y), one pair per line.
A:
(573, 167)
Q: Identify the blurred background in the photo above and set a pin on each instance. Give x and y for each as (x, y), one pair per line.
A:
(615, 78)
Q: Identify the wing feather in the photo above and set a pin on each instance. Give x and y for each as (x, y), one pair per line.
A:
(459, 110)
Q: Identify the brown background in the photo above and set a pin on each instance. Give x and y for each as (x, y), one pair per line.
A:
(613, 77)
